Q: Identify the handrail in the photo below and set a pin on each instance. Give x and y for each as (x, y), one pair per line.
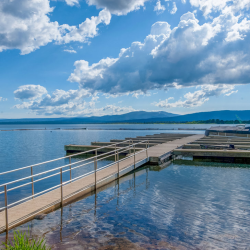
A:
(67, 156)
(83, 162)
(67, 165)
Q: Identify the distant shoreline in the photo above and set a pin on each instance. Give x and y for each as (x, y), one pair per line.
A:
(64, 129)
(211, 121)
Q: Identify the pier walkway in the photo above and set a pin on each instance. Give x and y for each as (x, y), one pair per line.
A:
(48, 200)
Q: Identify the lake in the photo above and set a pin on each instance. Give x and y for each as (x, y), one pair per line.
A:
(185, 205)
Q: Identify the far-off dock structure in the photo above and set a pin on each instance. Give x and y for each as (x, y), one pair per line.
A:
(123, 157)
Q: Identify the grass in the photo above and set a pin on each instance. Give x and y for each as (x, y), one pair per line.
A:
(21, 241)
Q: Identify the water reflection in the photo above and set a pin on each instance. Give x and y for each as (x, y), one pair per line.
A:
(181, 206)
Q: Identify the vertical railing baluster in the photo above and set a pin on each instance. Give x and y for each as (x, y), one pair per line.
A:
(115, 152)
(129, 146)
(61, 187)
(32, 182)
(70, 168)
(134, 156)
(6, 208)
(147, 149)
(118, 166)
(95, 163)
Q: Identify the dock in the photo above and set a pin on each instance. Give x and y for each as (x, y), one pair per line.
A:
(233, 149)
(128, 155)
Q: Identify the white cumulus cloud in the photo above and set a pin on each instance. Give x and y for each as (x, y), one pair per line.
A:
(210, 6)
(118, 7)
(189, 54)
(159, 8)
(72, 2)
(36, 99)
(174, 9)
(198, 97)
(87, 29)
(25, 25)
(70, 51)
(30, 92)
(3, 99)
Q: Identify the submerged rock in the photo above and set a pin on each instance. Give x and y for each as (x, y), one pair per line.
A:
(40, 216)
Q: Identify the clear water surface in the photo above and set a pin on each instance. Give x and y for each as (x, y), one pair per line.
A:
(185, 205)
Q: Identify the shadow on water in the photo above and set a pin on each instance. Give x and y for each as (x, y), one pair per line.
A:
(181, 206)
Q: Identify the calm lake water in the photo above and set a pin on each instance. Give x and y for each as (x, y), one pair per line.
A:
(26, 147)
(185, 205)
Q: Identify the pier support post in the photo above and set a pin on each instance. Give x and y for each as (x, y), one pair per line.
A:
(61, 179)
(32, 182)
(70, 168)
(95, 163)
(6, 208)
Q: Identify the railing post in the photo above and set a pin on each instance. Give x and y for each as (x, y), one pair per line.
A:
(115, 152)
(70, 168)
(61, 188)
(32, 182)
(6, 208)
(118, 164)
(95, 163)
(134, 156)
(147, 149)
(129, 147)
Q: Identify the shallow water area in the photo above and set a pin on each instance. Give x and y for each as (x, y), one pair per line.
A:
(184, 205)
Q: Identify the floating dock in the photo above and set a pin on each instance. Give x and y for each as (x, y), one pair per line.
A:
(128, 155)
(232, 147)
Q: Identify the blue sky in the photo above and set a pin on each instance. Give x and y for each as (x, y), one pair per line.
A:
(97, 57)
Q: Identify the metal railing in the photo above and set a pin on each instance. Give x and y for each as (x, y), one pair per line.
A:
(116, 153)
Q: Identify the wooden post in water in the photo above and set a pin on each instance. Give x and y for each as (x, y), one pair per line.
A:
(6, 208)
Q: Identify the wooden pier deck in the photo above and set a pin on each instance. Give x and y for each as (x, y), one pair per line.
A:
(51, 200)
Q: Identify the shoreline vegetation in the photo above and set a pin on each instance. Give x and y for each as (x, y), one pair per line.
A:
(22, 241)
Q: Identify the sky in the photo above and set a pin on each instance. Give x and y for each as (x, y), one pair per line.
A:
(67, 58)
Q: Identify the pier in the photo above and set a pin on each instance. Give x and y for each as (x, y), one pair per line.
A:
(127, 155)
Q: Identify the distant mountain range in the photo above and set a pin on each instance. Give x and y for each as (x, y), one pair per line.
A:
(225, 115)
(93, 119)
(139, 117)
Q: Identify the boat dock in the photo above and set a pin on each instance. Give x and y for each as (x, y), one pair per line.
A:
(127, 155)
(231, 149)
